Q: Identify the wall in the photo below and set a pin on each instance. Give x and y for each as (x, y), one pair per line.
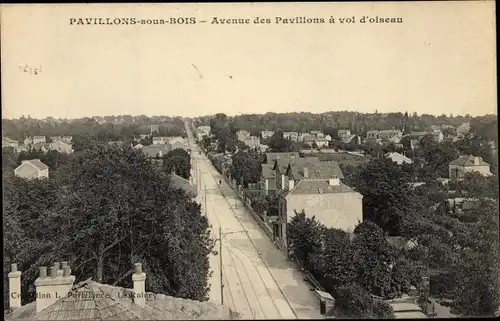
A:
(484, 170)
(43, 173)
(335, 210)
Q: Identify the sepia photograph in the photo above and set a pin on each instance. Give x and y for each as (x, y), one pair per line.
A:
(223, 161)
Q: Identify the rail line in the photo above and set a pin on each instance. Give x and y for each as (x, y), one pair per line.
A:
(255, 247)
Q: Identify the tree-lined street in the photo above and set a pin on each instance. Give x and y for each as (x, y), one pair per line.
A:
(258, 280)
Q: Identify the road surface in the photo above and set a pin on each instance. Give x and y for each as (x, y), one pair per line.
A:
(259, 281)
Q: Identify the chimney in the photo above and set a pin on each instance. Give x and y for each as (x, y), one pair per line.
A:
(139, 279)
(306, 172)
(14, 287)
(291, 184)
(477, 160)
(334, 181)
(52, 287)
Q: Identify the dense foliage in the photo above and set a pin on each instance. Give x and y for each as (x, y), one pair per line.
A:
(103, 211)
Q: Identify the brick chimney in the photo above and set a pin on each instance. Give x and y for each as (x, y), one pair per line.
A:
(139, 279)
(477, 160)
(14, 287)
(52, 287)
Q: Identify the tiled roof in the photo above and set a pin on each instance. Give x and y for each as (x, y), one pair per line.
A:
(468, 160)
(153, 150)
(182, 183)
(271, 157)
(94, 301)
(267, 171)
(319, 187)
(316, 168)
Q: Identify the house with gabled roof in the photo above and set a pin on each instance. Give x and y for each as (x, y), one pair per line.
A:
(58, 298)
(7, 142)
(327, 198)
(32, 169)
(467, 164)
(399, 158)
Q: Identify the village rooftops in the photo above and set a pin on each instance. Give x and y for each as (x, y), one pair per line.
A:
(271, 157)
(469, 160)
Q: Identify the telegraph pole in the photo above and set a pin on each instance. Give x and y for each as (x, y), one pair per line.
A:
(220, 266)
(205, 197)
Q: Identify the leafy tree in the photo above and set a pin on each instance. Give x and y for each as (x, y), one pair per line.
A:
(478, 289)
(387, 198)
(304, 236)
(374, 258)
(112, 209)
(333, 262)
(9, 158)
(178, 160)
(245, 167)
(352, 301)
(278, 143)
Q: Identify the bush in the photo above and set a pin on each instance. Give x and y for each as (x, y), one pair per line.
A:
(352, 301)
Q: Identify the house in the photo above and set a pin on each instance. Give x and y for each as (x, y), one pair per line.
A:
(316, 132)
(143, 136)
(183, 184)
(177, 142)
(330, 201)
(55, 138)
(7, 142)
(39, 139)
(344, 133)
(406, 310)
(242, 135)
(271, 157)
(414, 143)
(33, 168)
(67, 139)
(463, 129)
(308, 139)
(154, 129)
(160, 140)
(436, 135)
(44, 147)
(252, 142)
(353, 139)
(155, 153)
(398, 158)
(466, 164)
(293, 136)
(384, 134)
(265, 134)
(458, 205)
(59, 298)
(28, 141)
(61, 147)
(322, 142)
(263, 148)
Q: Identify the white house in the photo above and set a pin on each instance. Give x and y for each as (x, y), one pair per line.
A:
(398, 158)
(33, 168)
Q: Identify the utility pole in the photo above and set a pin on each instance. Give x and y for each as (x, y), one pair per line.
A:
(205, 197)
(220, 266)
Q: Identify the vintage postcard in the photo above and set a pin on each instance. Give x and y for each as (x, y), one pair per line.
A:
(250, 160)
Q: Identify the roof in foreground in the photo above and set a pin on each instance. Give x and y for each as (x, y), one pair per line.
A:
(90, 300)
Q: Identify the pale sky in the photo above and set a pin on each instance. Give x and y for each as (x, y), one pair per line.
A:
(440, 60)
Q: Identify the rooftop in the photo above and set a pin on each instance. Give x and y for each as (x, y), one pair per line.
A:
(182, 183)
(90, 300)
(271, 157)
(468, 160)
(308, 187)
(35, 163)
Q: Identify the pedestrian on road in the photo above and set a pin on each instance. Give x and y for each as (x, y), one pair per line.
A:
(220, 182)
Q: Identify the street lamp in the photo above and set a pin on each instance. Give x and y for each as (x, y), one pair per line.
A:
(221, 236)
